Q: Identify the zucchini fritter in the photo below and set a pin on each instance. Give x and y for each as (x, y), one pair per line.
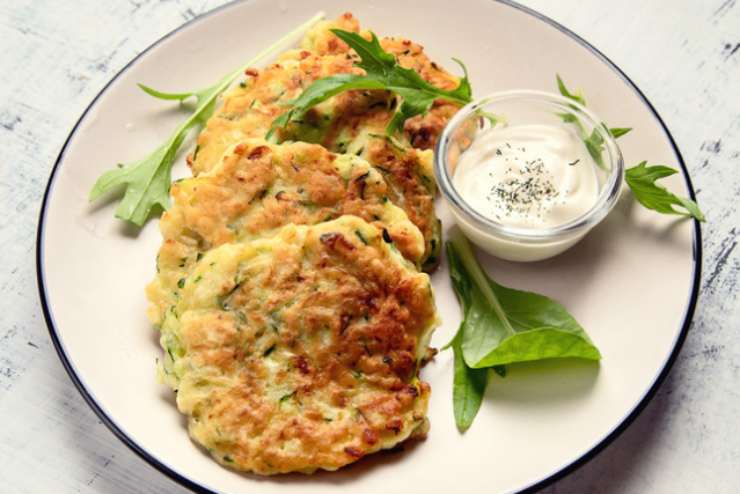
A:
(344, 123)
(301, 351)
(258, 187)
(249, 108)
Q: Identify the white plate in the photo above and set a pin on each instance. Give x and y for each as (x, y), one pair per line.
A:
(632, 282)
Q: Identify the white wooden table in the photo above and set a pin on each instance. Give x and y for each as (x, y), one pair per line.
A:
(684, 54)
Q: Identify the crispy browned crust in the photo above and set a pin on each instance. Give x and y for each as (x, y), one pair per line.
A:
(362, 113)
(421, 131)
(257, 188)
(407, 171)
(249, 111)
(301, 351)
(293, 327)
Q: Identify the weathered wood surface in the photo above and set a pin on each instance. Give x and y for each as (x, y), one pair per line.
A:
(685, 55)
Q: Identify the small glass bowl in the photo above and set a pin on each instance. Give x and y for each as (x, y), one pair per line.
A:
(523, 107)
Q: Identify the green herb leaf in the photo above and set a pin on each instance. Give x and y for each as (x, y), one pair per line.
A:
(169, 96)
(469, 386)
(492, 118)
(205, 96)
(398, 146)
(618, 132)
(594, 142)
(577, 97)
(361, 237)
(642, 178)
(383, 72)
(595, 146)
(321, 90)
(569, 118)
(503, 325)
(287, 396)
(145, 183)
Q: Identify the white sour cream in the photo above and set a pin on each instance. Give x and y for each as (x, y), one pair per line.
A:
(528, 176)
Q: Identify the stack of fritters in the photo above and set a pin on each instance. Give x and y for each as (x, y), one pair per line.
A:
(259, 187)
(292, 310)
(353, 122)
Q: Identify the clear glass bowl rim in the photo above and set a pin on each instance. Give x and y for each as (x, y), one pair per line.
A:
(603, 205)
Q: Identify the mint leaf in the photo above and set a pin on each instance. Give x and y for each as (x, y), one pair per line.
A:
(145, 183)
(383, 72)
(641, 179)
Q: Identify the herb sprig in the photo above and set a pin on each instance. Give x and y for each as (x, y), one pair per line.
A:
(502, 326)
(593, 141)
(641, 178)
(382, 72)
(146, 183)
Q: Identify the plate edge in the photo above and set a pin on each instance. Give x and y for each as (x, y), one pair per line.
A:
(545, 481)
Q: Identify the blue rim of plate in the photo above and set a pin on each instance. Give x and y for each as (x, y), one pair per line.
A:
(539, 484)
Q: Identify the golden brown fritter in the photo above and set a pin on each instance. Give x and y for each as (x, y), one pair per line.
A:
(359, 128)
(422, 131)
(257, 188)
(249, 108)
(343, 123)
(408, 171)
(300, 351)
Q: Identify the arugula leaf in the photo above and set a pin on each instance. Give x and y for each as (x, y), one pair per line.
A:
(642, 178)
(492, 118)
(577, 97)
(201, 96)
(174, 96)
(594, 142)
(382, 72)
(319, 91)
(502, 325)
(595, 146)
(469, 386)
(570, 118)
(146, 183)
(618, 132)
